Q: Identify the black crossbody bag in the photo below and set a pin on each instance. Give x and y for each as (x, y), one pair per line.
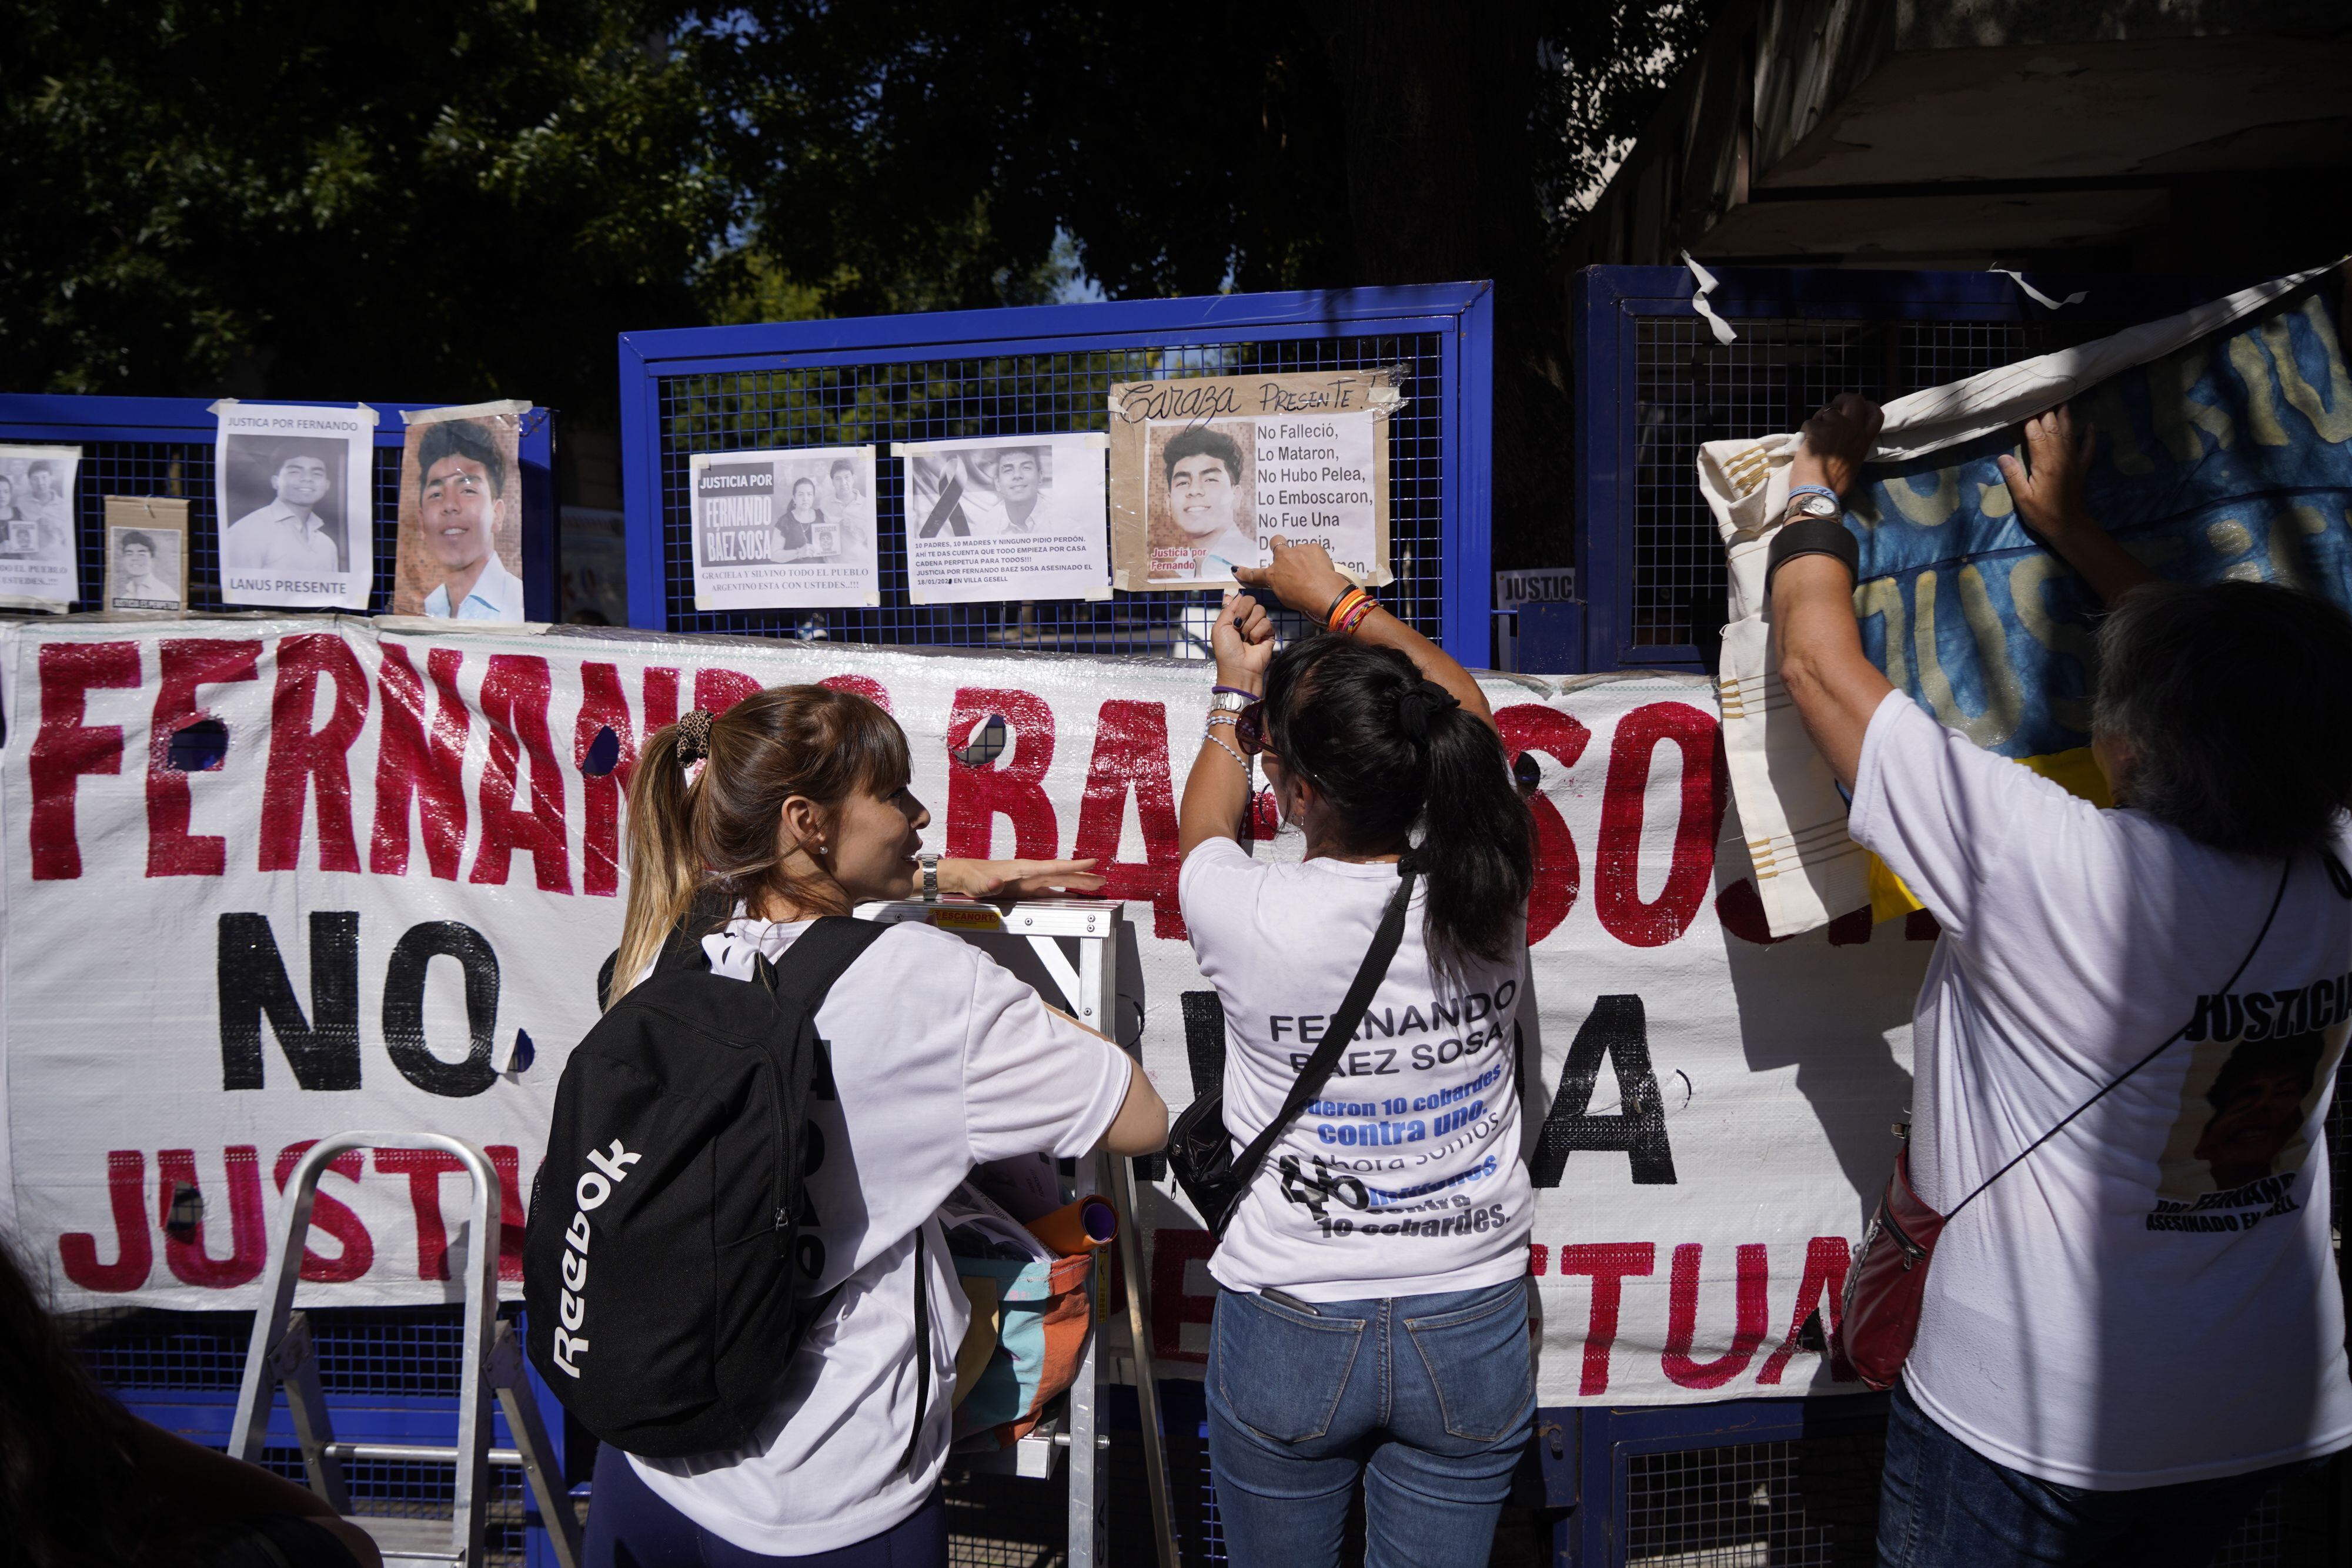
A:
(1201, 1149)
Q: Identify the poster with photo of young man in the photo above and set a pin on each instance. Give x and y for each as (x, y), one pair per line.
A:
(1005, 517)
(294, 490)
(460, 549)
(786, 529)
(1205, 469)
(37, 566)
(146, 555)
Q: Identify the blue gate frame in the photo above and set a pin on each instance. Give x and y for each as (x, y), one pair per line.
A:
(385, 1368)
(985, 372)
(1652, 384)
(163, 447)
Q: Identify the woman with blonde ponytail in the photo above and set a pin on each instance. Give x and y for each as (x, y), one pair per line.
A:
(746, 826)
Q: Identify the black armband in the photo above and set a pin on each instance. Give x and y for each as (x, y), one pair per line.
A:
(1812, 536)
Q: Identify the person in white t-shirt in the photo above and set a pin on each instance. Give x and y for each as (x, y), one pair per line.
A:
(1373, 1312)
(2136, 1331)
(791, 805)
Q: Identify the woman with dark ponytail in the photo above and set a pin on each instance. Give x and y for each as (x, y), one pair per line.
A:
(1373, 1310)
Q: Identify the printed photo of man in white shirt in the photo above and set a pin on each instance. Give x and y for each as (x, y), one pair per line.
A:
(296, 532)
(464, 511)
(1205, 472)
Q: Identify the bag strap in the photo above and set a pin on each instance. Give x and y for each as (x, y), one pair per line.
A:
(834, 944)
(819, 954)
(2276, 899)
(922, 1351)
(1337, 1033)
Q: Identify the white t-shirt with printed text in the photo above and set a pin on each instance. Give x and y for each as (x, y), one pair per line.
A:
(940, 1059)
(1403, 1176)
(2150, 1297)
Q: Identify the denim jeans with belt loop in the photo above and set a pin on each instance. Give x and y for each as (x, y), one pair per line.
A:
(1430, 1397)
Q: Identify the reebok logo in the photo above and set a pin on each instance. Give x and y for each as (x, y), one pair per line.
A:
(608, 1168)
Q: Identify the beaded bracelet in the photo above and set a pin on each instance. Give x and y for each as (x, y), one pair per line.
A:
(1228, 750)
(1353, 616)
(1233, 718)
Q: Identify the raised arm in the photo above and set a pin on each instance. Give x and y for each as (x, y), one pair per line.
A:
(1217, 790)
(2048, 490)
(1835, 687)
(1303, 577)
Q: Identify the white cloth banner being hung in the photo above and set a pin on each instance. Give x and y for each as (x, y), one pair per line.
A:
(268, 879)
(1808, 871)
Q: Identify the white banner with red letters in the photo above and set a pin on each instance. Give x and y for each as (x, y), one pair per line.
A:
(273, 879)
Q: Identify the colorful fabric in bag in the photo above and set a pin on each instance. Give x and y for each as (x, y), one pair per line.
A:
(1041, 1307)
(1044, 1310)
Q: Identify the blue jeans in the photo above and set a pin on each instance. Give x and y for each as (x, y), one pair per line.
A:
(1432, 1397)
(1941, 1502)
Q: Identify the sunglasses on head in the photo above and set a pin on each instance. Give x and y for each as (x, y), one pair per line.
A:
(1249, 728)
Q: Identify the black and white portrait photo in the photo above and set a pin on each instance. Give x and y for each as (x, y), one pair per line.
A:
(284, 494)
(1019, 516)
(37, 566)
(785, 529)
(297, 523)
(144, 565)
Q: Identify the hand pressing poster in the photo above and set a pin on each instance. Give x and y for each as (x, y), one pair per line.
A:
(777, 530)
(146, 554)
(294, 488)
(1204, 470)
(37, 568)
(460, 556)
(997, 517)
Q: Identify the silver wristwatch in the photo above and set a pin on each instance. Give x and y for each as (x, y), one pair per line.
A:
(1812, 504)
(931, 865)
(1229, 702)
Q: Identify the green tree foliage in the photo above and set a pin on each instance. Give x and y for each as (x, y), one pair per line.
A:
(921, 154)
(443, 201)
(430, 199)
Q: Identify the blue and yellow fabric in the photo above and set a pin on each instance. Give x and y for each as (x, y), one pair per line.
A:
(2230, 457)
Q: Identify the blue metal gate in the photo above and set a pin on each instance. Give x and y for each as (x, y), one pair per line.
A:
(1652, 384)
(163, 447)
(391, 1373)
(1048, 369)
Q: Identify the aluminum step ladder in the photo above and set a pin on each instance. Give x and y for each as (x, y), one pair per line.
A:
(1086, 973)
(282, 1354)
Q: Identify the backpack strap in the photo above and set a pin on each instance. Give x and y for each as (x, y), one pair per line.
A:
(819, 954)
(922, 1351)
(817, 959)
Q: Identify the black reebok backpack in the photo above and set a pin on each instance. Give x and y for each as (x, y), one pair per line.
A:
(659, 1262)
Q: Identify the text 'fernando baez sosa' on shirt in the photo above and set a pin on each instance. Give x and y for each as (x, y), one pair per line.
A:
(1402, 1176)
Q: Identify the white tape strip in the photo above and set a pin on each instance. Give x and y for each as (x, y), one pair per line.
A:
(2036, 295)
(1706, 285)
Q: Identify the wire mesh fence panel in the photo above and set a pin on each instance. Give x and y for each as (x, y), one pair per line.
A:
(404, 1350)
(392, 1488)
(1689, 390)
(1027, 394)
(1807, 1503)
(1812, 1502)
(184, 470)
